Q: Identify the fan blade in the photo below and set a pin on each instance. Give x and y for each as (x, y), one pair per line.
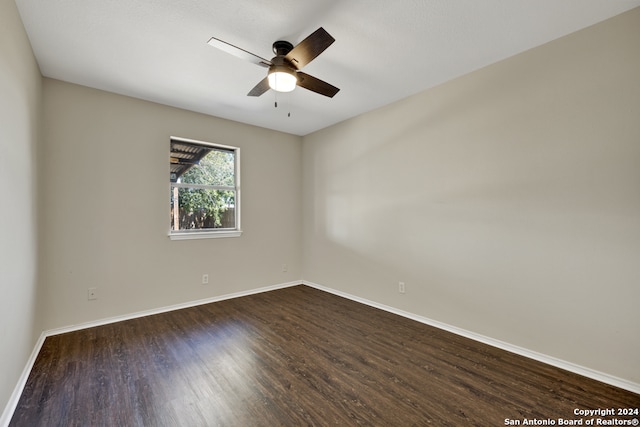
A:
(309, 48)
(316, 85)
(260, 88)
(238, 52)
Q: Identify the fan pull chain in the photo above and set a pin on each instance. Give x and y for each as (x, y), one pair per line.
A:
(275, 103)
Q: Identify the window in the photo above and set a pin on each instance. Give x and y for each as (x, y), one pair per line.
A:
(205, 190)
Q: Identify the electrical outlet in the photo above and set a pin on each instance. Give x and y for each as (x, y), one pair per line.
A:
(92, 293)
(205, 279)
(285, 268)
(401, 287)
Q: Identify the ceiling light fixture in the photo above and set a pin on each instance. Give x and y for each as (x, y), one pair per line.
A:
(282, 78)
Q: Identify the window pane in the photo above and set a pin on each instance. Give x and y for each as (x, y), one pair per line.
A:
(199, 164)
(200, 209)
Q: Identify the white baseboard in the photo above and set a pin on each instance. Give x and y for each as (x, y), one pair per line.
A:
(22, 381)
(166, 309)
(562, 364)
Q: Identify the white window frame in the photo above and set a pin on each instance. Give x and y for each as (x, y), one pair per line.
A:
(211, 233)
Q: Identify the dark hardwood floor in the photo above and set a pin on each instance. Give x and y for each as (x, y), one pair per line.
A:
(294, 357)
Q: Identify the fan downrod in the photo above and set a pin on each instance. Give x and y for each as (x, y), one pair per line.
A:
(282, 47)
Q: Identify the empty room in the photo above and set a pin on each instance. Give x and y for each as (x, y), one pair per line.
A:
(291, 213)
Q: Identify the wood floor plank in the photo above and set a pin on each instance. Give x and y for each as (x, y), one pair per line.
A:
(293, 357)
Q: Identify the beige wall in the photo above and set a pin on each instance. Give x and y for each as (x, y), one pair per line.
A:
(19, 120)
(105, 207)
(508, 200)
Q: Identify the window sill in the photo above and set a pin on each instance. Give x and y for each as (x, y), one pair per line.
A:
(205, 235)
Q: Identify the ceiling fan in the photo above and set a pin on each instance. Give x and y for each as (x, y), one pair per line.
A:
(284, 68)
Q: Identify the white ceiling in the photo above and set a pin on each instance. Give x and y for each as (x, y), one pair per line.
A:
(384, 51)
